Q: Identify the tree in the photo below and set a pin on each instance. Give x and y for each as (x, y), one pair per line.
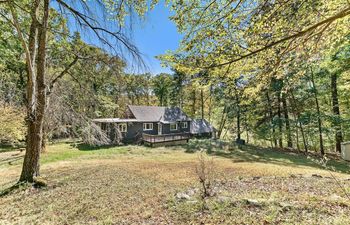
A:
(270, 45)
(177, 93)
(162, 87)
(35, 49)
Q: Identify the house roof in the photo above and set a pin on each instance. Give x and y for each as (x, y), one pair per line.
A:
(113, 120)
(158, 113)
(199, 126)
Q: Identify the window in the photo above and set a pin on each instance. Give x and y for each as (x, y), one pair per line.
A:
(173, 126)
(123, 127)
(148, 126)
(184, 124)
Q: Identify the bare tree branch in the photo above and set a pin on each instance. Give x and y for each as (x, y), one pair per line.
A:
(63, 73)
(22, 40)
(85, 20)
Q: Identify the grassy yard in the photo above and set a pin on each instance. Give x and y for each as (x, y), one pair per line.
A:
(141, 185)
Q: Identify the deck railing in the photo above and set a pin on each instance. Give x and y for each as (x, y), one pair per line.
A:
(165, 137)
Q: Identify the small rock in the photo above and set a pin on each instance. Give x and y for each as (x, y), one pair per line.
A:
(256, 178)
(316, 175)
(253, 202)
(223, 199)
(215, 190)
(293, 176)
(191, 192)
(182, 196)
(335, 197)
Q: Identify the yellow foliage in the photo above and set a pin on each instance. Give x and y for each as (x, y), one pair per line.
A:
(12, 125)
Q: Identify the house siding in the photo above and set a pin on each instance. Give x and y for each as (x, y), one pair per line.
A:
(135, 130)
(153, 132)
(166, 128)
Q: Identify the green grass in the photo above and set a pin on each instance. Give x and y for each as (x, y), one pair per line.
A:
(249, 153)
(7, 148)
(137, 184)
(62, 152)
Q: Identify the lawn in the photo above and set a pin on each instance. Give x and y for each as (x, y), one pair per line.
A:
(141, 185)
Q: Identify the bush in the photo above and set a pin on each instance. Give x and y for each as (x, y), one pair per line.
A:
(12, 125)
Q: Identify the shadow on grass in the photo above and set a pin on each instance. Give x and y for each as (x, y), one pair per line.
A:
(10, 148)
(37, 183)
(87, 147)
(250, 153)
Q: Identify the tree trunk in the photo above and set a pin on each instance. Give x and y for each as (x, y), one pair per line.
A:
(193, 102)
(31, 167)
(202, 104)
(238, 125)
(222, 121)
(286, 117)
(318, 114)
(280, 140)
(297, 115)
(238, 117)
(210, 104)
(44, 140)
(336, 112)
(271, 119)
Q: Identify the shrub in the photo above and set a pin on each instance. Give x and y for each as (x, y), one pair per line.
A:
(12, 125)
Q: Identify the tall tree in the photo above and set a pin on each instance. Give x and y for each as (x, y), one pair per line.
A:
(162, 87)
(319, 120)
(35, 49)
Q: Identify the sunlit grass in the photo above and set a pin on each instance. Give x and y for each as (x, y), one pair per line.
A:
(134, 184)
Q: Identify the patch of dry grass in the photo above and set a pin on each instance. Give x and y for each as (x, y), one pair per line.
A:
(135, 184)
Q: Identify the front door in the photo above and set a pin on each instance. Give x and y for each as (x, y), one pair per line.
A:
(160, 127)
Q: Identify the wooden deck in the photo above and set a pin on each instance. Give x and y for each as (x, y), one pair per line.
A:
(168, 139)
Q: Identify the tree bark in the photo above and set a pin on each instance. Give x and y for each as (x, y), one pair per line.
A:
(210, 103)
(193, 102)
(318, 114)
(336, 112)
(202, 104)
(297, 115)
(271, 119)
(31, 166)
(238, 115)
(286, 117)
(222, 121)
(280, 126)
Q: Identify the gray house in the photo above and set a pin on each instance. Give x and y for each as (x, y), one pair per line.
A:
(154, 125)
(202, 128)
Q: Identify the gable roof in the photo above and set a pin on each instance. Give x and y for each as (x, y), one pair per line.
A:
(158, 113)
(113, 120)
(199, 126)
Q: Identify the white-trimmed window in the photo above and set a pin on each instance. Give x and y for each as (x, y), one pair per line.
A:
(148, 126)
(184, 125)
(122, 127)
(173, 126)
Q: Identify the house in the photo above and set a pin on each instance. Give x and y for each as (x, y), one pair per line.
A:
(154, 125)
(202, 128)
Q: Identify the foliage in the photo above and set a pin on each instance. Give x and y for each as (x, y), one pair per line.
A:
(259, 59)
(162, 84)
(12, 126)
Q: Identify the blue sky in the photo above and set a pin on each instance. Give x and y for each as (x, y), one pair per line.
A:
(156, 35)
(153, 36)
